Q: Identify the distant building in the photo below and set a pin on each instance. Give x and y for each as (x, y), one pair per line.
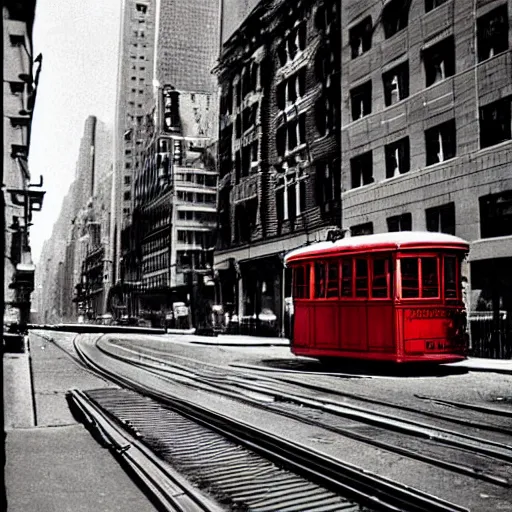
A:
(426, 133)
(161, 139)
(73, 286)
(279, 148)
(21, 195)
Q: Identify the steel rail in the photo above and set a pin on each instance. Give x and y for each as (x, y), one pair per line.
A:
(258, 370)
(462, 405)
(170, 489)
(363, 486)
(205, 385)
(382, 420)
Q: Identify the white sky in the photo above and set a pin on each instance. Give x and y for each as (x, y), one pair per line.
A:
(78, 40)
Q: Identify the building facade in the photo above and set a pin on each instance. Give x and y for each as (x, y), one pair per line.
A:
(71, 286)
(279, 150)
(176, 120)
(20, 195)
(426, 134)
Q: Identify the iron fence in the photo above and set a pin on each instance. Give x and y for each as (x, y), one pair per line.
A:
(490, 337)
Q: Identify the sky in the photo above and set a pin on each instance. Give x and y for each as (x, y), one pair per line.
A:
(79, 42)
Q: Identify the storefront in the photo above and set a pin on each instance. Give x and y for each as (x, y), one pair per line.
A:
(491, 308)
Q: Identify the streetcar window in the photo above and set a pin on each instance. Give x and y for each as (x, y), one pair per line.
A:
(429, 277)
(332, 279)
(380, 278)
(301, 282)
(450, 277)
(361, 278)
(320, 280)
(410, 280)
(346, 277)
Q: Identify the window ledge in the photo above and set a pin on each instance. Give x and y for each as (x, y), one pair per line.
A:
(295, 150)
(499, 145)
(440, 164)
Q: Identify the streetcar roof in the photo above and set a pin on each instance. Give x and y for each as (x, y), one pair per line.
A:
(380, 241)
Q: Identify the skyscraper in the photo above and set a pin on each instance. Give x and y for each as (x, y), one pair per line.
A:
(165, 46)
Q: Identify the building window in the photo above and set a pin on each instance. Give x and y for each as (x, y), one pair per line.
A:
(496, 215)
(361, 37)
(246, 160)
(238, 127)
(281, 95)
(439, 61)
(142, 8)
(495, 120)
(361, 100)
(361, 170)
(362, 229)
(238, 166)
(400, 222)
(281, 140)
(432, 4)
(17, 39)
(17, 87)
(395, 17)
(127, 165)
(327, 184)
(238, 92)
(441, 219)
(127, 195)
(397, 158)
(127, 180)
(325, 113)
(492, 33)
(440, 142)
(396, 84)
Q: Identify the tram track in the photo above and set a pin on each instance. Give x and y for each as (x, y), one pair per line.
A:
(172, 492)
(162, 430)
(294, 378)
(483, 454)
(357, 488)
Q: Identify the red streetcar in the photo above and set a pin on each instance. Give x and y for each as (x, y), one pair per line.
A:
(384, 297)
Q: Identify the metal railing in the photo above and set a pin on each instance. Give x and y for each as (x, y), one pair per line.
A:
(490, 337)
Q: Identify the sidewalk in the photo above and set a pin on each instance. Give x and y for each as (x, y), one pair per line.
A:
(476, 364)
(52, 462)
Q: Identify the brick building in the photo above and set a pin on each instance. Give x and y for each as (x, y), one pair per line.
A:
(426, 134)
(20, 195)
(279, 149)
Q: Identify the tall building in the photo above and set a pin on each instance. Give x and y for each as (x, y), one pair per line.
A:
(75, 255)
(279, 148)
(134, 91)
(20, 196)
(426, 134)
(49, 288)
(160, 149)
